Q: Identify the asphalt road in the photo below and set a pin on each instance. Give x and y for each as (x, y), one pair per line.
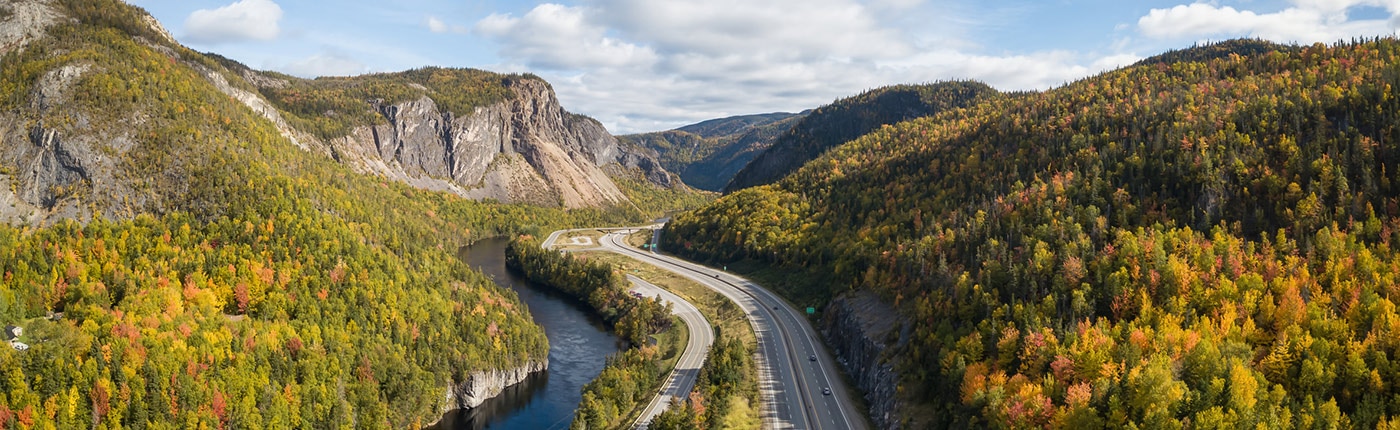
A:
(794, 367)
(687, 370)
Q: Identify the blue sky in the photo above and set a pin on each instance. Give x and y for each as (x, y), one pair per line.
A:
(645, 65)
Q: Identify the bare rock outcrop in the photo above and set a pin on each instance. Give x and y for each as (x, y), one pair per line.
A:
(24, 20)
(526, 149)
(485, 384)
(861, 327)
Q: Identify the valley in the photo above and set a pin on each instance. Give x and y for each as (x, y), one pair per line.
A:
(284, 214)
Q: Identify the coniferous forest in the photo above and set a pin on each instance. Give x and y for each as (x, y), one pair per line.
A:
(1204, 239)
(241, 281)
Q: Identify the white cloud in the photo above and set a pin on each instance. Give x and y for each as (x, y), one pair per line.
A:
(557, 37)
(326, 64)
(641, 65)
(438, 26)
(1306, 21)
(244, 20)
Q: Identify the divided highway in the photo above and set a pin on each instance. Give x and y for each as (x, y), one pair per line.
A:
(801, 387)
(682, 378)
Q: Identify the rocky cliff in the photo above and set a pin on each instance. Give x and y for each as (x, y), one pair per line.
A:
(482, 385)
(863, 330)
(523, 149)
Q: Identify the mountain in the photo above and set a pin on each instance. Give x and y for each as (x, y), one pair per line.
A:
(473, 133)
(181, 247)
(1188, 243)
(849, 118)
(706, 155)
(1218, 50)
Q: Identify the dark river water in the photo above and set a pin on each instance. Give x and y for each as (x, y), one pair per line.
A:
(578, 347)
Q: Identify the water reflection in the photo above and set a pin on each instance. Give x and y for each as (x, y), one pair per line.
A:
(578, 348)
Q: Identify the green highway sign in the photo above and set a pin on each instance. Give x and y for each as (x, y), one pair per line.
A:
(811, 310)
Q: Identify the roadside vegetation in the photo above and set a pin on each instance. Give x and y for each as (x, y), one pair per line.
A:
(242, 282)
(631, 377)
(726, 394)
(1206, 239)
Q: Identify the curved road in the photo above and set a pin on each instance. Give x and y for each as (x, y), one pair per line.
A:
(687, 370)
(794, 368)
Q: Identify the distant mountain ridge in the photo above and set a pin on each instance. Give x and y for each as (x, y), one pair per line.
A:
(185, 241)
(707, 154)
(849, 118)
(1140, 248)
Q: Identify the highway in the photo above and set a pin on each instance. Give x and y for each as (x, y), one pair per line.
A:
(794, 368)
(682, 378)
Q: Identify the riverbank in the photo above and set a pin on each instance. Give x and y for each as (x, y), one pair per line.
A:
(578, 346)
(728, 386)
(622, 389)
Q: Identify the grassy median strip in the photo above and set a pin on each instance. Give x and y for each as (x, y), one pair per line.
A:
(738, 405)
(719, 310)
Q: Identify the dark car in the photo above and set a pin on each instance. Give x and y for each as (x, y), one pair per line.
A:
(812, 358)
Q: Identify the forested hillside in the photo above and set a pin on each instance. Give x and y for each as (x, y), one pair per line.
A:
(1201, 243)
(849, 118)
(218, 275)
(707, 154)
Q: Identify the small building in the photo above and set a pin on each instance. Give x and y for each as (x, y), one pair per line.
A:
(19, 346)
(13, 332)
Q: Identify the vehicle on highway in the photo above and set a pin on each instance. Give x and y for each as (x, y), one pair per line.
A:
(812, 358)
(826, 391)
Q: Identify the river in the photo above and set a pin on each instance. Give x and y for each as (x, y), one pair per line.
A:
(578, 348)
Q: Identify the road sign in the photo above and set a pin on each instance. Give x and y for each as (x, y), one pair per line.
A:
(811, 310)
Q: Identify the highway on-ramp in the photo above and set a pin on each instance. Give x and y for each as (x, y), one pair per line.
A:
(798, 378)
(682, 378)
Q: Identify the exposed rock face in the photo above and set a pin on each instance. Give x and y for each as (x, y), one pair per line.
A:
(859, 325)
(27, 20)
(486, 384)
(47, 165)
(526, 149)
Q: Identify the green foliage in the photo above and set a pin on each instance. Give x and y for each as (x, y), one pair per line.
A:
(708, 154)
(331, 107)
(1202, 242)
(852, 117)
(613, 399)
(594, 283)
(243, 282)
(1217, 51)
(655, 201)
(630, 377)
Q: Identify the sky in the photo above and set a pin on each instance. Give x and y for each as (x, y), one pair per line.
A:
(649, 65)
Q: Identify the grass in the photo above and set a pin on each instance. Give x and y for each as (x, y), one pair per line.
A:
(721, 313)
(719, 310)
(565, 241)
(670, 343)
(742, 415)
(789, 287)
